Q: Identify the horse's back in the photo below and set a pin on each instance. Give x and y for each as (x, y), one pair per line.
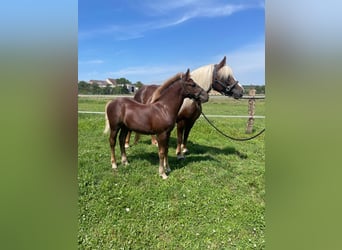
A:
(145, 93)
(116, 108)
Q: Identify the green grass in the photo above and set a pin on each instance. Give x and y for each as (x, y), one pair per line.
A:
(214, 199)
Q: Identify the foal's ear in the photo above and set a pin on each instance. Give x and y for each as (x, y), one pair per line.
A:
(187, 74)
(222, 63)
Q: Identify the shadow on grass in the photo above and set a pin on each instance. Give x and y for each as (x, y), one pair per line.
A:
(202, 149)
(197, 153)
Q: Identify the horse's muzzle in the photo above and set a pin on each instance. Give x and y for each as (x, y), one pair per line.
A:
(203, 96)
(237, 96)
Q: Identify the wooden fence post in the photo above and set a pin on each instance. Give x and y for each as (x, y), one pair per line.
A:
(251, 111)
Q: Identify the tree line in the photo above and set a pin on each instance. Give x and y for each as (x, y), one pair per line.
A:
(259, 89)
(86, 88)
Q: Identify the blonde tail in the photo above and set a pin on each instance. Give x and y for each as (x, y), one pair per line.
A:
(107, 127)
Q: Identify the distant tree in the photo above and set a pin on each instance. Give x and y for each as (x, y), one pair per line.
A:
(95, 89)
(119, 90)
(139, 84)
(122, 81)
(259, 89)
(108, 90)
(84, 88)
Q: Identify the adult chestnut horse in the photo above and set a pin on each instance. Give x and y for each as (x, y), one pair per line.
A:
(157, 117)
(213, 76)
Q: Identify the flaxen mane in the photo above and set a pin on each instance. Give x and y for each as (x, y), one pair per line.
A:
(203, 76)
(157, 93)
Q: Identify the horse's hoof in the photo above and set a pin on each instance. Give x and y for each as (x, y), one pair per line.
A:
(164, 176)
(185, 150)
(114, 166)
(180, 157)
(126, 145)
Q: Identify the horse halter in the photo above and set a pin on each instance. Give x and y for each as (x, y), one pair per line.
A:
(226, 89)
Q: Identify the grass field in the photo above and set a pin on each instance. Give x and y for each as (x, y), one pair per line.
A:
(214, 199)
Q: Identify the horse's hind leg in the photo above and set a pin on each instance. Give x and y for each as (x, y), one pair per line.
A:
(112, 142)
(122, 138)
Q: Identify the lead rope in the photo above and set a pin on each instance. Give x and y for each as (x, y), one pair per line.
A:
(232, 138)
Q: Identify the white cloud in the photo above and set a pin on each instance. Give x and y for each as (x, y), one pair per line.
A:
(163, 14)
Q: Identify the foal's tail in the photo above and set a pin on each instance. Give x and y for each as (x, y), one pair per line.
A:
(107, 127)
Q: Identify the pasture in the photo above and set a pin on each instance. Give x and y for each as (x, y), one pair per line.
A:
(214, 199)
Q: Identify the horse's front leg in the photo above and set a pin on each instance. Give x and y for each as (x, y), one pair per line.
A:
(166, 157)
(188, 124)
(187, 129)
(122, 138)
(154, 140)
(180, 129)
(163, 140)
(112, 142)
(128, 138)
(136, 138)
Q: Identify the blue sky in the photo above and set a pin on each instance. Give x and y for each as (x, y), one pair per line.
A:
(150, 41)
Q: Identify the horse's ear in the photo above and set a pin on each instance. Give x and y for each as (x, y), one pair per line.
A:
(222, 63)
(187, 74)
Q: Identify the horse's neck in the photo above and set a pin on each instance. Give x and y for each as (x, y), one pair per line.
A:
(173, 98)
(203, 76)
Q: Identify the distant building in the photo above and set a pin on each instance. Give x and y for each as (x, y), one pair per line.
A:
(100, 83)
(113, 83)
(132, 88)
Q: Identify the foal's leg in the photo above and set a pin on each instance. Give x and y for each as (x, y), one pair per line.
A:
(180, 130)
(112, 142)
(166, 156)
(166, 160)
(162, 152)
(122, 137)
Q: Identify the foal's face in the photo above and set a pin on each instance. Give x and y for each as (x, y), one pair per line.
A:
(194, 91)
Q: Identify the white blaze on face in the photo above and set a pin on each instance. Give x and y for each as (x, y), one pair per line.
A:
(241, 87)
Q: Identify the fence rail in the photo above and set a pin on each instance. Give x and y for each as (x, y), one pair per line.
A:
(251, 108)
(253, 97)
(219, 96)
(213, 116)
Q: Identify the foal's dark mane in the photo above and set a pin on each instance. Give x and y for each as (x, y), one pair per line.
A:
(157, 93)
